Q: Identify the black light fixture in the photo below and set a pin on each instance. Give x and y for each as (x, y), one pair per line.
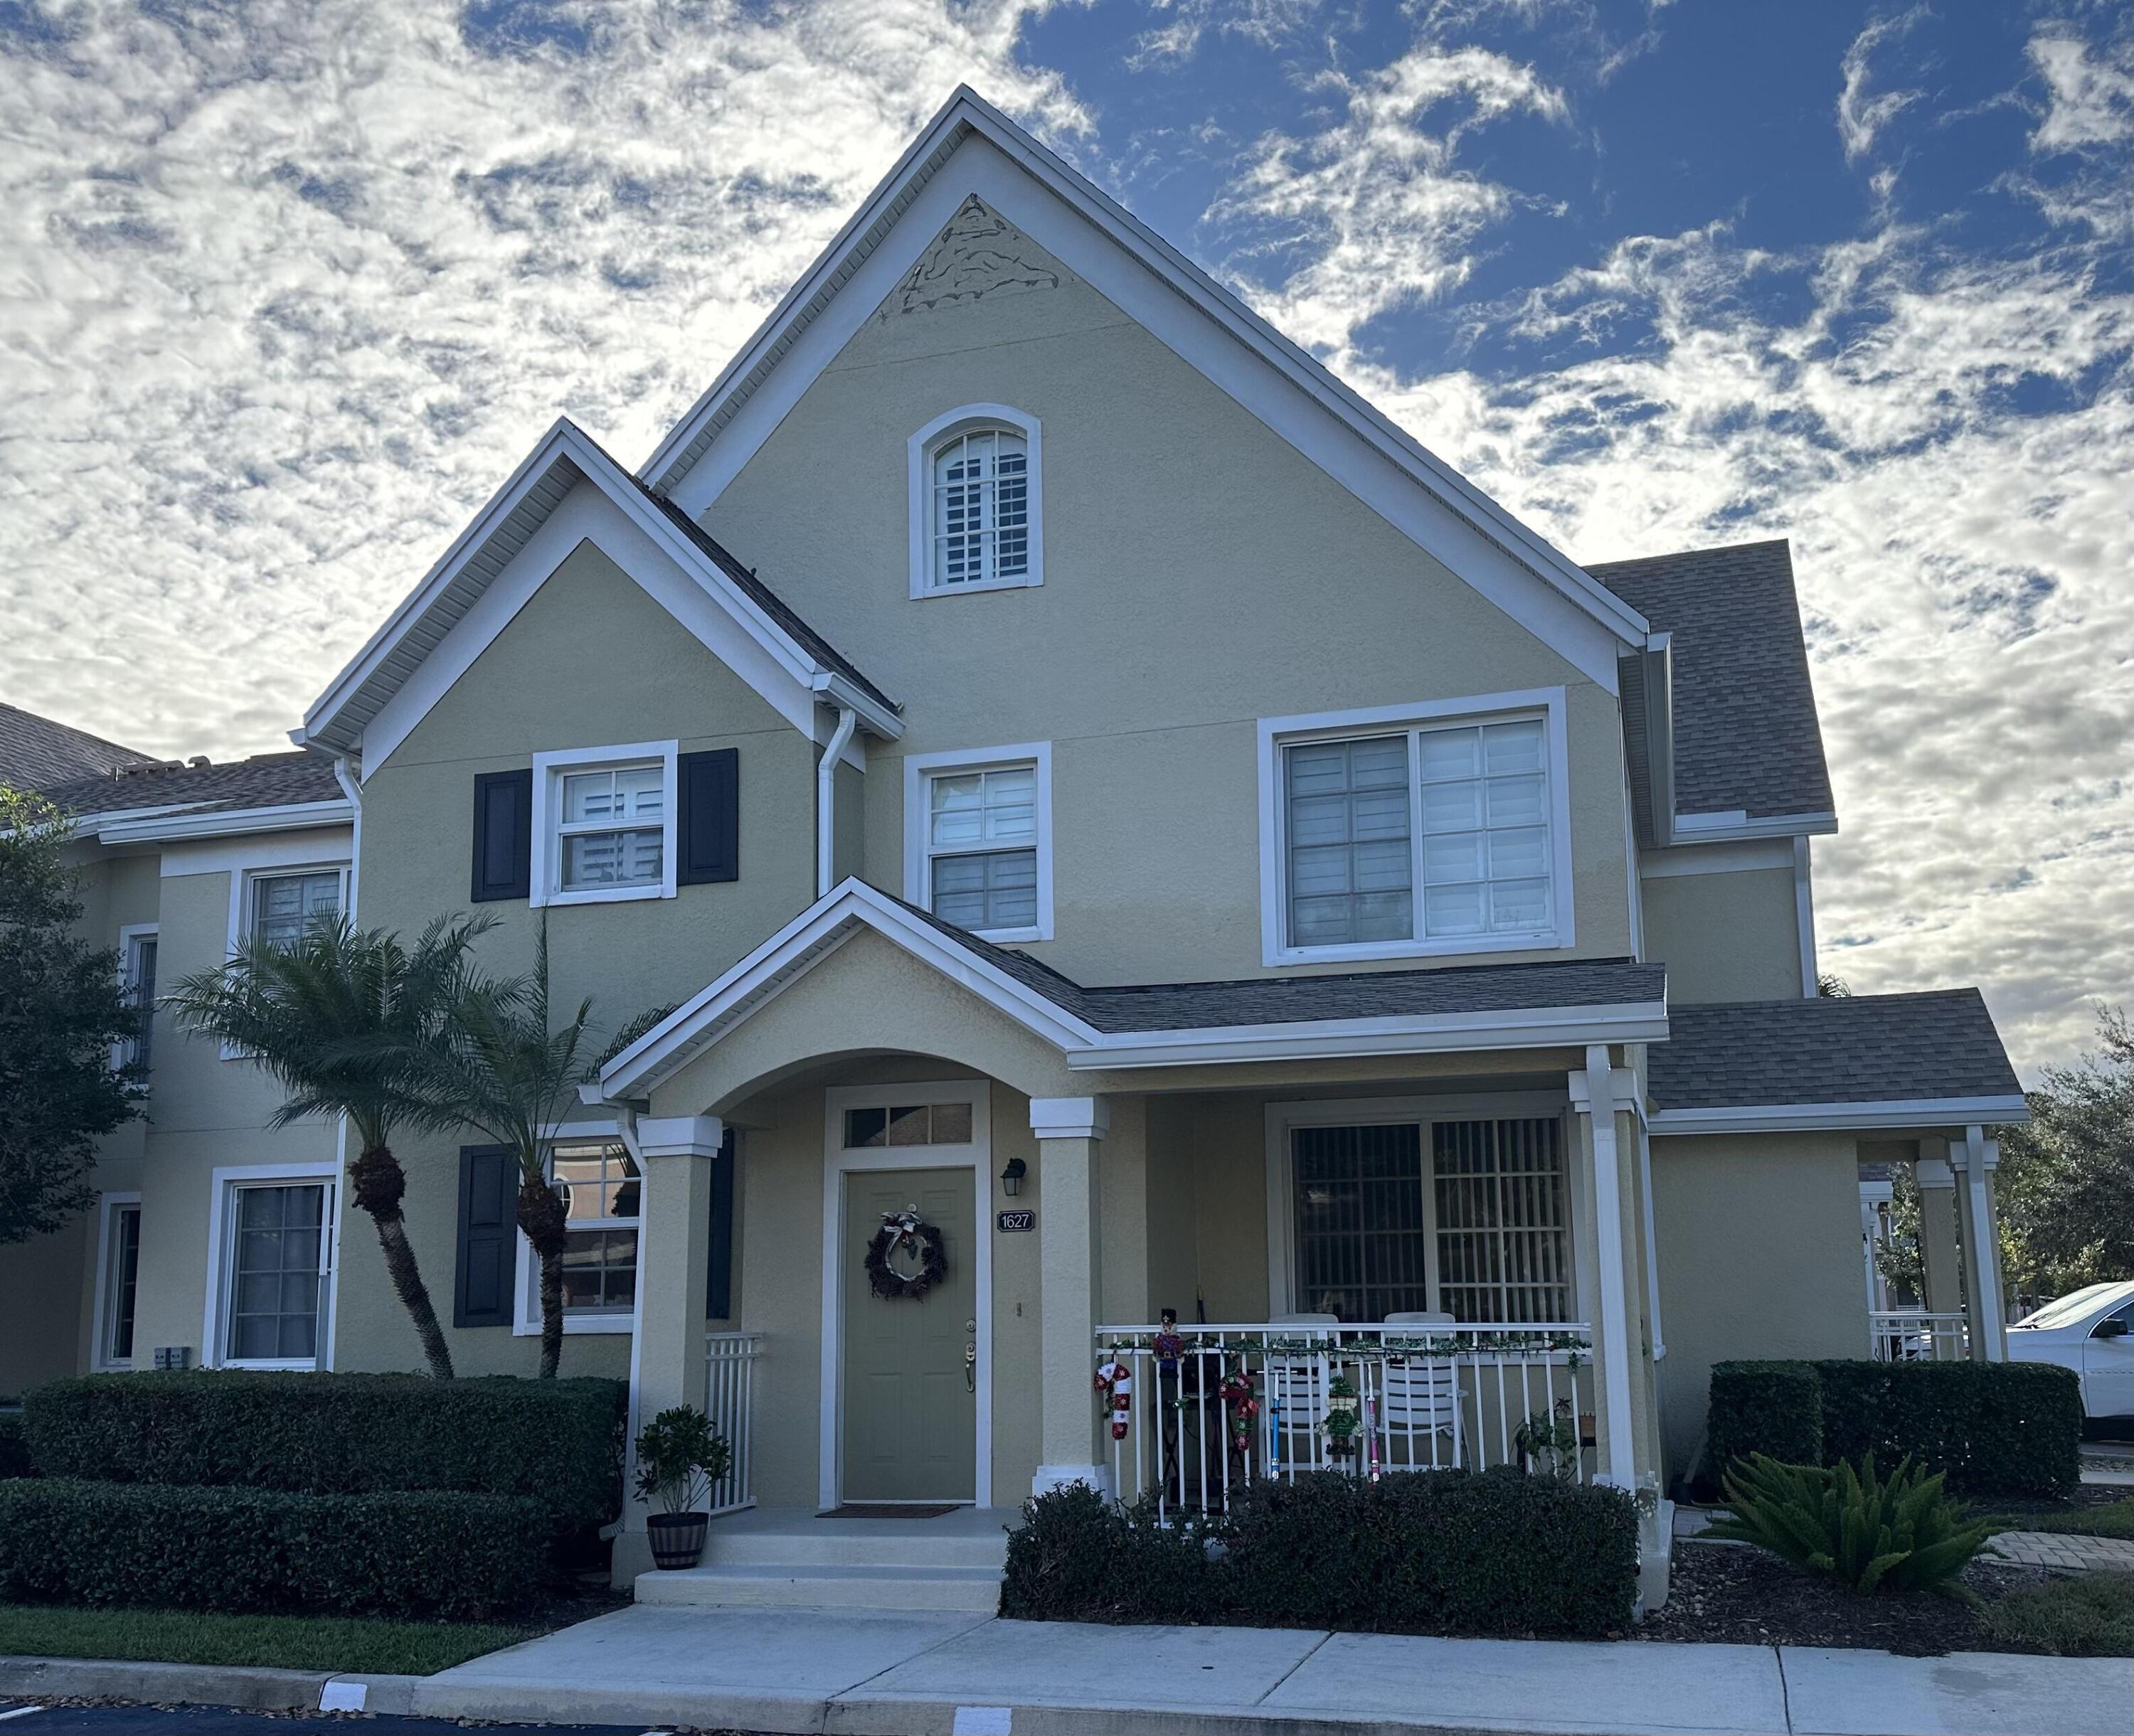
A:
(1011, 1177)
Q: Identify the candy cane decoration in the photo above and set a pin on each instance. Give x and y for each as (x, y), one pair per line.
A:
(1115, 1380)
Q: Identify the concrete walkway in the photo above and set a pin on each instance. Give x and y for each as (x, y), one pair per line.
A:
(868, 1673)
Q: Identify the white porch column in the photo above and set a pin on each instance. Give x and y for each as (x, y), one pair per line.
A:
(1941, 1268)
(1593, 1098)
(1975, 1157)
(674, 1156)
(1068, 1129)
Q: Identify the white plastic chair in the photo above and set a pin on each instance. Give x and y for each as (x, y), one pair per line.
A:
(1420, 1396)
(1296, 1390)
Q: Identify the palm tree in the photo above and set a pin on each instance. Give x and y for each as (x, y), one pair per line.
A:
(498, 1065)
(336, 1017)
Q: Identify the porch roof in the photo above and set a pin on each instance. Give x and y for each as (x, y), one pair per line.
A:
(1857, 1061)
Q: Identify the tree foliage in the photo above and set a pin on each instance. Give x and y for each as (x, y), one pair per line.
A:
(1903, 1534)
(62, 1009)
(2066, 1182)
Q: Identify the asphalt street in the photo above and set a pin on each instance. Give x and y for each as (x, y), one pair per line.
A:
(21, 1718)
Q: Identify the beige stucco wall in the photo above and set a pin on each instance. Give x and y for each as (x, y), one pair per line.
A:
(1199, 574)
(1725, 937)
(1759, 1255)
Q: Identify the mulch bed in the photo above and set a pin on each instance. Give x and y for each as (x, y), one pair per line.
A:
(1732, 1595)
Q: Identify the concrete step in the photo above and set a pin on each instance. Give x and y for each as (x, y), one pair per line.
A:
(882, 1546)
(972, 1589)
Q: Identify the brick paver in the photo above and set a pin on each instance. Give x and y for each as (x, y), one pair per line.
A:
(2063, 1550)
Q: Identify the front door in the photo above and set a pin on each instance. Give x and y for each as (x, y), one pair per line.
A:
(910, 1385)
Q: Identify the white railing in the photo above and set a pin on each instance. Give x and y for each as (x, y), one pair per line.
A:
(730, 1360)
(1910, 1335)
(1247, 1402)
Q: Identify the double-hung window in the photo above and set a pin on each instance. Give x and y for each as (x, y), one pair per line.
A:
(979, 845)
(1429, 835)
(604, 824)
(284, 907)
(276, 1253)
(976, 523)
(603, 1203)
(137, 967)
(119, 1267)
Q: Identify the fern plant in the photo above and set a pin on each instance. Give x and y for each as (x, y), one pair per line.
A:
(1902, 1535)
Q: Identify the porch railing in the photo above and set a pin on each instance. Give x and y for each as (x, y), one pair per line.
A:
(1910, 1335)
(1246, 1401)
(730, 1360)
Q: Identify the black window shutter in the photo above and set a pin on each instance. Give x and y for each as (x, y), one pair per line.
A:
(710, 817)
(488, 1239)
(718, 1304)
(503, 835)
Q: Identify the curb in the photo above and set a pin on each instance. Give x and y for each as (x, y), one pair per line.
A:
(212, 1685)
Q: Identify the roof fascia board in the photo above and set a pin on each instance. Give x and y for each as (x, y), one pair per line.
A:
(1917, 1112)
(1424, 1033)
(226, 822)
(1733, 823)
(1383, 466)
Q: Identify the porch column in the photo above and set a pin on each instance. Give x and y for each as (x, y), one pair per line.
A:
(1975, 1157)
(1593, 1098)
(1941, 1268)
(674, 1157)
(1068, 1129)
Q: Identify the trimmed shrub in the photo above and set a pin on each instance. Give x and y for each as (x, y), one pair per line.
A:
(1903, 1534)
(1772, 1408)
(1497, 1553)
(556, 1442)
(408, 1553)
(1995, 1428)
(15, 1460)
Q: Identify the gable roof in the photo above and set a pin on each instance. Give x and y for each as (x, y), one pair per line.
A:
(1842, 1061)
(562, 459)
(1178, 1024)
(1747, 737)
(966, 116)
(37, 753)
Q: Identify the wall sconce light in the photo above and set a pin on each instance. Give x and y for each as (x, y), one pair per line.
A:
(1011, 1177)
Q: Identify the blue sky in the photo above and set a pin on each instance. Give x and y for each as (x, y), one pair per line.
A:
(286, 287)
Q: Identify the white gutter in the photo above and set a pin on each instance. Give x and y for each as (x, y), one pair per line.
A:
(826, 801)
(225, 823)
(346, 779)
(1917, 1112)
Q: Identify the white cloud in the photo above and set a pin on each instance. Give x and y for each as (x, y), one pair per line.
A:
(1860, 115)
(2088, 102)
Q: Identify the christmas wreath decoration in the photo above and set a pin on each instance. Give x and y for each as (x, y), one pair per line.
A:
(904, 1230)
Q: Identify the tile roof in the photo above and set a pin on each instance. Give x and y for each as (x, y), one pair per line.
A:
(1296, 1000)
(37, 753)
(265, 780)
(1857, 1048)
(1745, 731)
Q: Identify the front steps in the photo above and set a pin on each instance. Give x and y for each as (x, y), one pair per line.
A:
(784, 1558)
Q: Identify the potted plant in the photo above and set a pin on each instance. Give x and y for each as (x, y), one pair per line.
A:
(679, 1456)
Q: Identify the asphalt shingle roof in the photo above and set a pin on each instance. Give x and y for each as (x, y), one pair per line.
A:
(37, 753)
(265, 780)
(1745, 731)
(1858, 1048)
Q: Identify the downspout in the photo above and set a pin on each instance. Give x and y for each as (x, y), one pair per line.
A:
(344, 776)
(826, 800)
(354, 791)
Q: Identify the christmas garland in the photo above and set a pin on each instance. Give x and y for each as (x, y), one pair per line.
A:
(903, 1229)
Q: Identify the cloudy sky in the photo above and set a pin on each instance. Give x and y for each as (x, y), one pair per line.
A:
(287, 286)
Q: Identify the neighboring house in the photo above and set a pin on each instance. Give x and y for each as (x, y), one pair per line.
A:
(1036, 726)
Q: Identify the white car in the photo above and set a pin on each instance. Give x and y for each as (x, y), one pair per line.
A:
(2092, 1332)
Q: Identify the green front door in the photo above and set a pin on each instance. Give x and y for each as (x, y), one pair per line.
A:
(910, 1399)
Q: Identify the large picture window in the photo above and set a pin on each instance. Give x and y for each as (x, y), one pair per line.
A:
(276, 1249)
(1466, 1218)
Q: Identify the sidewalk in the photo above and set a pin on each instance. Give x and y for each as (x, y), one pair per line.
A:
(867, 1673)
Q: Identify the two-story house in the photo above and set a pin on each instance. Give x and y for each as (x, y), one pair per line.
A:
(1083, 776)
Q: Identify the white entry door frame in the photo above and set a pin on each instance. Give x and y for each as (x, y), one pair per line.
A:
(838, 1162)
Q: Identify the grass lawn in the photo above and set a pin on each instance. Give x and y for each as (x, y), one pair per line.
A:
(2088, 1615)
(343, 1645)
(2107, 1519)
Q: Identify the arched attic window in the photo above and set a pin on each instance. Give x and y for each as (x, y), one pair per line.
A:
(975, 497)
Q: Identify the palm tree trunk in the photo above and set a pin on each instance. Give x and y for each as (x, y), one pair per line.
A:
(380, 1183)
(541, 1216)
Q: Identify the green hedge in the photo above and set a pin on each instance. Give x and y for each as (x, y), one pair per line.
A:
(1455, 1552)
(403, 1553)
(557, 1442)
(15, 1460)
(1996, 1428)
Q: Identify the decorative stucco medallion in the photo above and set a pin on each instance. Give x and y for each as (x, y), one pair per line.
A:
(980, 253)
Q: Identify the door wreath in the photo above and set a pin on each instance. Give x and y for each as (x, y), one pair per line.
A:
(904, 1230)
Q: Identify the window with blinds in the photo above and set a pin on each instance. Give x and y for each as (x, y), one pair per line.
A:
(1483, 1235)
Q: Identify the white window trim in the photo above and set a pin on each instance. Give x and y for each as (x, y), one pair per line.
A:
(838, 1162)
(224, 1185)
(269, 867)
(526, 1292)
(122, 1052)
(920, 467)
(107, 1208)
(548, 887)
(920, 768)
(1283, 1119)
(1277, 733)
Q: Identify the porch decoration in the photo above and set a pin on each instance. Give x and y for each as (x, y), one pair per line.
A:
(903, 1230)
(680, 1456)
(1371, 1434)
(1342, 1420)
(1240, 1408)
(1170, 1345)
(1115, 1380)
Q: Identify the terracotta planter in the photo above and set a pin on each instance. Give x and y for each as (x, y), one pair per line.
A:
(678, 1538)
